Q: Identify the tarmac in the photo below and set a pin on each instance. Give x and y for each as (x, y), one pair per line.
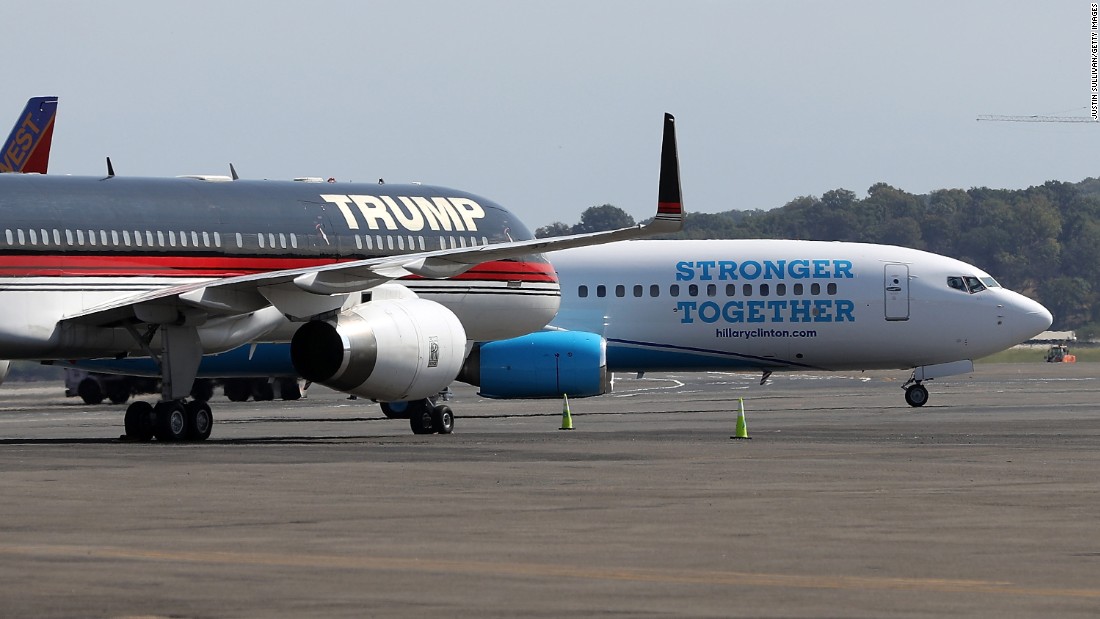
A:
(846, 502)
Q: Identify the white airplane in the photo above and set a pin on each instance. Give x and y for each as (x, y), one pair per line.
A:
(742, 305)
(759, 305)
(176, 268)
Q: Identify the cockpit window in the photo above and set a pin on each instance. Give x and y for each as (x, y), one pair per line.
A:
(974, 284)
(971, 284)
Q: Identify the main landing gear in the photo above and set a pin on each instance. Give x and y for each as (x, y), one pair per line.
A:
(174, 418)
(425, 416)
(169, 421)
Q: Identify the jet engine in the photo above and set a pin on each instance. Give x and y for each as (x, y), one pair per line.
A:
(546, 364)
(388, 350)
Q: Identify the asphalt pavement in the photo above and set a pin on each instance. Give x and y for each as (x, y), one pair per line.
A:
(845, 503)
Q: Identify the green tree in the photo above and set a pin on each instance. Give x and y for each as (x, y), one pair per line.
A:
(555, 229)
(1070, 299)
(601, 218)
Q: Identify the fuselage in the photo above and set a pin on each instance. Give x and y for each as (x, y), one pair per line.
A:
(782, 304)
(756, 305)
(68, 244)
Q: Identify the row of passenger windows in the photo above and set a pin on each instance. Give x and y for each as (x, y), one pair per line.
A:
(192, 238)
(711, 290)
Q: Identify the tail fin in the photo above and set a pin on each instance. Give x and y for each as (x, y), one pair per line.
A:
(28, 147)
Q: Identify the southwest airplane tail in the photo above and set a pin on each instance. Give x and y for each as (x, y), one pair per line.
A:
(28, 147)
(28, 150)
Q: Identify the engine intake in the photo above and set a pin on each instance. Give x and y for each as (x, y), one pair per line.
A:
(388, 350)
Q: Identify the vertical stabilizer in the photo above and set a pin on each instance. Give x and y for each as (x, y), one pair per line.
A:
(27, 149)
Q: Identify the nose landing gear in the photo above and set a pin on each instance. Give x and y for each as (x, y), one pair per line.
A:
(916, 395)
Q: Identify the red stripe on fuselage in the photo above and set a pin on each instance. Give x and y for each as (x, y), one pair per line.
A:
(125, 265)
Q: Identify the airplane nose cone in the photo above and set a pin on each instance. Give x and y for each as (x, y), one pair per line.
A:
(1031, 318)
(1042, 317)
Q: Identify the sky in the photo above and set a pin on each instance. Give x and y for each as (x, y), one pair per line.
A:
(549, 108)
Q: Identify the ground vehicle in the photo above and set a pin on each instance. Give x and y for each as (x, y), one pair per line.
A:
(94, 387)
(1059, 353)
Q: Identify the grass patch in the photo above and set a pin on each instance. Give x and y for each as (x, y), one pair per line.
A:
(1038, 355)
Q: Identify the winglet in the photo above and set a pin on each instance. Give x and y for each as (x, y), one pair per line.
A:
(670, 208)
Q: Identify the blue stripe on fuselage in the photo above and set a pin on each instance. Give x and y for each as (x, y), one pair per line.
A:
(628, 355)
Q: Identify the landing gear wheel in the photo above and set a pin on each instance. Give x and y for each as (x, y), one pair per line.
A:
(200, 421)
(171, 421)
(263, 390)
(118, 391)
(289, 389)
(237, 389)
(916, 395)
(421, 421)
(443, 420)
(89, 391)
(139, 421)
(203, 389)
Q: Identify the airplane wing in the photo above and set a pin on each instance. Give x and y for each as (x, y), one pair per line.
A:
(27, 148)
(301, 292)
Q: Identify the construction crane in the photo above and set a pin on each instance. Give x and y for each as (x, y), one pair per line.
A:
(1039, 119)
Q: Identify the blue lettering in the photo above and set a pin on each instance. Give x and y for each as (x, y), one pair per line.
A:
(727, 269)
(844, 311)
(684, 271)
(800, 311)
(730, 270)
(734, 311)
(709, 311)
(776, 307)
(821, 308)
(706, 265)
(756, 313)
(685, 307)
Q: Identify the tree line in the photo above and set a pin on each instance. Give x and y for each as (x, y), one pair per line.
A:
(1043, 241)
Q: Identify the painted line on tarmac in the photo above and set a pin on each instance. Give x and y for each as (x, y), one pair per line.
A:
(548, 570)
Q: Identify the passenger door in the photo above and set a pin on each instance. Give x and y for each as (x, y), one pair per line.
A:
(896, 284)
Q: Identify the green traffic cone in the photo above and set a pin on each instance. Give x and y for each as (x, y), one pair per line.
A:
(566, 418)
(742, 430)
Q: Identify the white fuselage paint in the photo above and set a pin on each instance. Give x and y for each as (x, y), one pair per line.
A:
(781, 304)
